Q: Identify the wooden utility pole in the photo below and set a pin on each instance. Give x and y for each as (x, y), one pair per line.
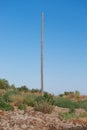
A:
(42, 54)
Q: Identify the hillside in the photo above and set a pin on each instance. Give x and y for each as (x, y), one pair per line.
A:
(34, 120)
(24, 109)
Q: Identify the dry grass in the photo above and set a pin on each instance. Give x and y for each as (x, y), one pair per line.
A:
(16, 99)
(2, 91)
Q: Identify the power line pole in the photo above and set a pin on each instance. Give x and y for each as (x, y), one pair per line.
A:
(42, 54)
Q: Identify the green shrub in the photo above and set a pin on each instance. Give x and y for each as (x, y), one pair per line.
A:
(5, 106)
(82, 115)
(12, 86)
(16, 98)
(40, 99)
(61, 95)
(65, 103)
(4, 84)
(22, 106)
(77, 96)
(68, 93)
(83, 104)
(29, 100)
(44, 103)
(23, 89)
(67, 115)
(49, 98)
(44, 107)
(35, 90)
(46, 98)
(6, 96)
(72, 109)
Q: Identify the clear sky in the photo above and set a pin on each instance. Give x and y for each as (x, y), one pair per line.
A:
(65, 58)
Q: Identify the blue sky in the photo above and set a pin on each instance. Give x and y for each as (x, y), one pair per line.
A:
(65, 52)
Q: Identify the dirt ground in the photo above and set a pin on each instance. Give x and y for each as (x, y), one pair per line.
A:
(34, 120)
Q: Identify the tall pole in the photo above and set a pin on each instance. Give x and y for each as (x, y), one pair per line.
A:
(42, 54)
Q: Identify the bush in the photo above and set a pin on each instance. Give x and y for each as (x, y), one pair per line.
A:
(83, 104)
(40, 99)
(72, 110)
(5, 106)
(4, 84)
(68, 93)
(12, 86)
(16, 98)
(23, 89)
(29, 100)
(8, 94)
(65, 103)
(44, 107)
(22, 106)
(44, 103)
(35, 90)
(77, 95)
(67, 116)
(49, 98)
(61, 95)
(46, 98)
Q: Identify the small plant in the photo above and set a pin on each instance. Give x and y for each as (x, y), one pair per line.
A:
(65, 103)
(67, 115)
(5, 106)
(44, 107)
(6, 97)
(82, 115)
(40, 99)
(29, 100)
(8, 94)
(49, 98)
(16, 98)
(77, 95)
(83, 104)
(22, 106)
(46, 97)
(72, 110)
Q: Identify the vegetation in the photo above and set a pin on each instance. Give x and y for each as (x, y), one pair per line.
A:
(44, 107)
(82, 104)
(44, 103)
(5, 106)
(29, 100)
(35, 90)
(22, 106)
(7, 97)
(23, 89)
(68, 115)
(65, 103)
(23, 97)
(4, 84)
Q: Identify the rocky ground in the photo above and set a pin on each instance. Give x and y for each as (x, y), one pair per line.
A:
(33, 120)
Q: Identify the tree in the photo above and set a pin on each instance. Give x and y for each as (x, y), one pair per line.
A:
(12, 86)
(4, 84)
(23, 88)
